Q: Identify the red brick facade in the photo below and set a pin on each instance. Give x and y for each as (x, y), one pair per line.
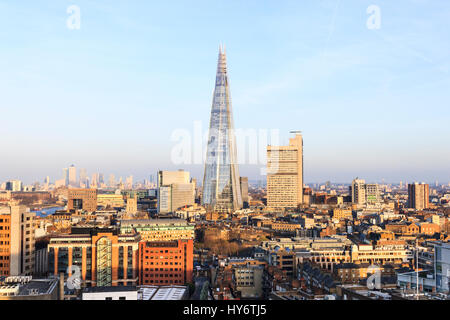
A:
(165, 263)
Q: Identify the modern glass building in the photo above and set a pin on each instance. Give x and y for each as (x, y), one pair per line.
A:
(221, 186)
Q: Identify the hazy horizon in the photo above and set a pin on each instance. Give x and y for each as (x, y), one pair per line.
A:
(372, 104)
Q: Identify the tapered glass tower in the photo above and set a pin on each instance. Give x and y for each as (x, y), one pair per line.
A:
(221, 188)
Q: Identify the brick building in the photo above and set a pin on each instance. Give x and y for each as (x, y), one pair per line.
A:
(82, 199)
(166, 262)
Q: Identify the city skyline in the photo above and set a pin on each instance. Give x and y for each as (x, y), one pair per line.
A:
(370, 103)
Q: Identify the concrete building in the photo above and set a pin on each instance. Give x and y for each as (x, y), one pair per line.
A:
(363, 193)
(175, 190)
(285, 174)
(372, 193)
(14, 185)
(16, 241)
(418, 195)
(72, 172)
(110, 200)
(158, 229)
(248, 280)
(358, 191)
(132, 204)
(244, 190)
(442, 266)
(27, 288)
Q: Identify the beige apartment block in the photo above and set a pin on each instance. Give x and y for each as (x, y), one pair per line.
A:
(285, 174)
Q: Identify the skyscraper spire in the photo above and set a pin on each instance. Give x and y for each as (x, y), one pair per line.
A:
(221, 186)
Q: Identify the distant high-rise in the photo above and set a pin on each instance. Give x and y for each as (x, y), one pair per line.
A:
(244, 190)
(418, 195)
(72, 175)
(285, 174)
(94, 180)
(14, 185)
(83, 176)
(363, 193)
(221, 186)
(372, 193)
(112, 181)
(129, 182)
(66, 176)
(358, 191)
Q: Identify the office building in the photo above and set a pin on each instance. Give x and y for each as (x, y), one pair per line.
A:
(158, 229)
(244, 190)
(65, 176)
(442, 266)
(221, 186)
(112, 181)
(358, 191)
(14, 185)
(110, 200)
(418, 195)
(82, 199)
(72, 175)
(285, 174)
(175, 190)
(342, 214)
(363, 194)
(166, 263)
(132, 204)
(16, 241)
(248, 281)
(83, 177)
(103, 256)
(27, 288)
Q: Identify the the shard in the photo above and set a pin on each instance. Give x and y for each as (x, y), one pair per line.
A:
(221, 185)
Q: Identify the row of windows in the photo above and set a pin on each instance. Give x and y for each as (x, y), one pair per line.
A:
(162, 281)
(163, 251)
(157, 275)
(163, 263)
(163, 269)
(162, 258)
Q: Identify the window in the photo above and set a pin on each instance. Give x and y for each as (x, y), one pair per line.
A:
(108, 298)
(122, 298)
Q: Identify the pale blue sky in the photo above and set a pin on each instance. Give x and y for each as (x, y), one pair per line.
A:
(107, 97)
